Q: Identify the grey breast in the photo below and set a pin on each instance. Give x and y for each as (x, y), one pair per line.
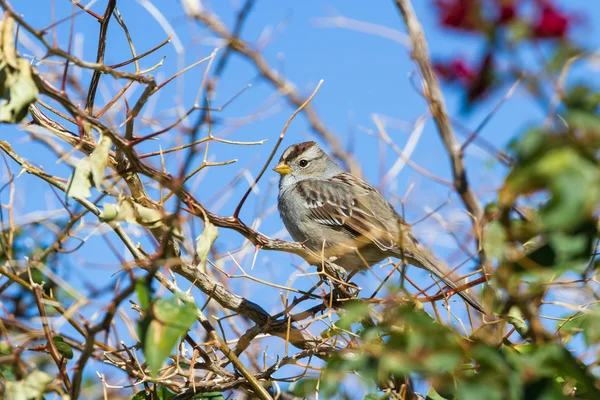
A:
(293, 214)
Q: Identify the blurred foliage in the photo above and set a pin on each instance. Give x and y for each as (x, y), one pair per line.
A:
(407, 340)
(543, 226)
(158, 393)
(32, 387)
(163, 324)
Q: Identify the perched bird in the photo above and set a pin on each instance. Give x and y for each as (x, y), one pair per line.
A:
(346, 220)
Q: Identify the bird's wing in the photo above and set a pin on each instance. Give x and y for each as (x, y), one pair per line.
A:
(347, 202)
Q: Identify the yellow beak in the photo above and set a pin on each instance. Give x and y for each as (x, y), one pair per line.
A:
(282, 168)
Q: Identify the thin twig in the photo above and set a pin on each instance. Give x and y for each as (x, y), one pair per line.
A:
(277, 144)
(437, 108)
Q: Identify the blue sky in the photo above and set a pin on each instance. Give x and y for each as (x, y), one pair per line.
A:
(364, 75)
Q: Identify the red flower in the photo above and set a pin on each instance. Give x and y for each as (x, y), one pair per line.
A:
(485, 77)
(456, 70)
(459, 14)
(506, 12)
(476, 81)
(551, 23)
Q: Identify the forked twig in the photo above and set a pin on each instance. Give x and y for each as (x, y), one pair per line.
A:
(277, 144)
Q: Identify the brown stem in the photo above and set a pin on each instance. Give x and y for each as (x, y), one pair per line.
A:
(287, 88)
(438, 110)
(89, 104)
(51, 346)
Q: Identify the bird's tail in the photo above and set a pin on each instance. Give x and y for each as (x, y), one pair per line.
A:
(421, 257)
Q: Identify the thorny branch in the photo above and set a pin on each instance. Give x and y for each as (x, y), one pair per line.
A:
(212, 357)
(213, 22)
(437, 107)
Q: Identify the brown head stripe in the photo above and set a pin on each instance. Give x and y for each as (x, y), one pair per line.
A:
(294, 151)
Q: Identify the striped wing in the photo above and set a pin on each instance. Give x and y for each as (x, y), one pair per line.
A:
(347, 202)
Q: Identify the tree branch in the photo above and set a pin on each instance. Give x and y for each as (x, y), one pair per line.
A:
(438, 110)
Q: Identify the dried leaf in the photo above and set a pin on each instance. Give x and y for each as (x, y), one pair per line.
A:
(90, 170)
(17, 87)
(126, 210)
(79, 185)
(204, 242)
(99, 160)
(8, 52)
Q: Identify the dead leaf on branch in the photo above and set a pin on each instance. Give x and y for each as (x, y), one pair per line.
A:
(127, 210)
(90, 170)
(17, 87)
(204, 242)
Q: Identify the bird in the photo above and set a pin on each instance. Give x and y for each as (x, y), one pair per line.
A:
(346, 220)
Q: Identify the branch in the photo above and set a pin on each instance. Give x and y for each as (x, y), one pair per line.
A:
(434, 96)
(281, 136)
(89, 104)
(285, 87)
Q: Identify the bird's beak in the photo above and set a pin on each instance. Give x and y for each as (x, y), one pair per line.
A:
(282, 168)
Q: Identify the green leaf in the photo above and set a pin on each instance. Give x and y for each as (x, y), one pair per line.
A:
(7, 370)
(586, 322)
(575, 247)
(330, 332)
(552, 360)
(5, 349)
(354, 311)
(63, 348)
(581, 97)
(377, 396)
(141, 395)
(90, 170)
(495, 240)
(442, 361)
(160, 393)
(306, 387)
(79, 184)
(572, 180)
(210, 396)
(342, 363)
(163, 328)
(32, 387)
(586, 123)
(564, 52)
(476, 390)
(204, 242)
(545, 389)
(329, 384)
(143, 294)
(574, 195)
(515, 318)
(433, 395)
(529, 144)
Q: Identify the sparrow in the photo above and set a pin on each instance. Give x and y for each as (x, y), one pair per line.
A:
(346, 220)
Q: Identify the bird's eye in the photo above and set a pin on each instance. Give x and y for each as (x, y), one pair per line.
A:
(302, 163)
